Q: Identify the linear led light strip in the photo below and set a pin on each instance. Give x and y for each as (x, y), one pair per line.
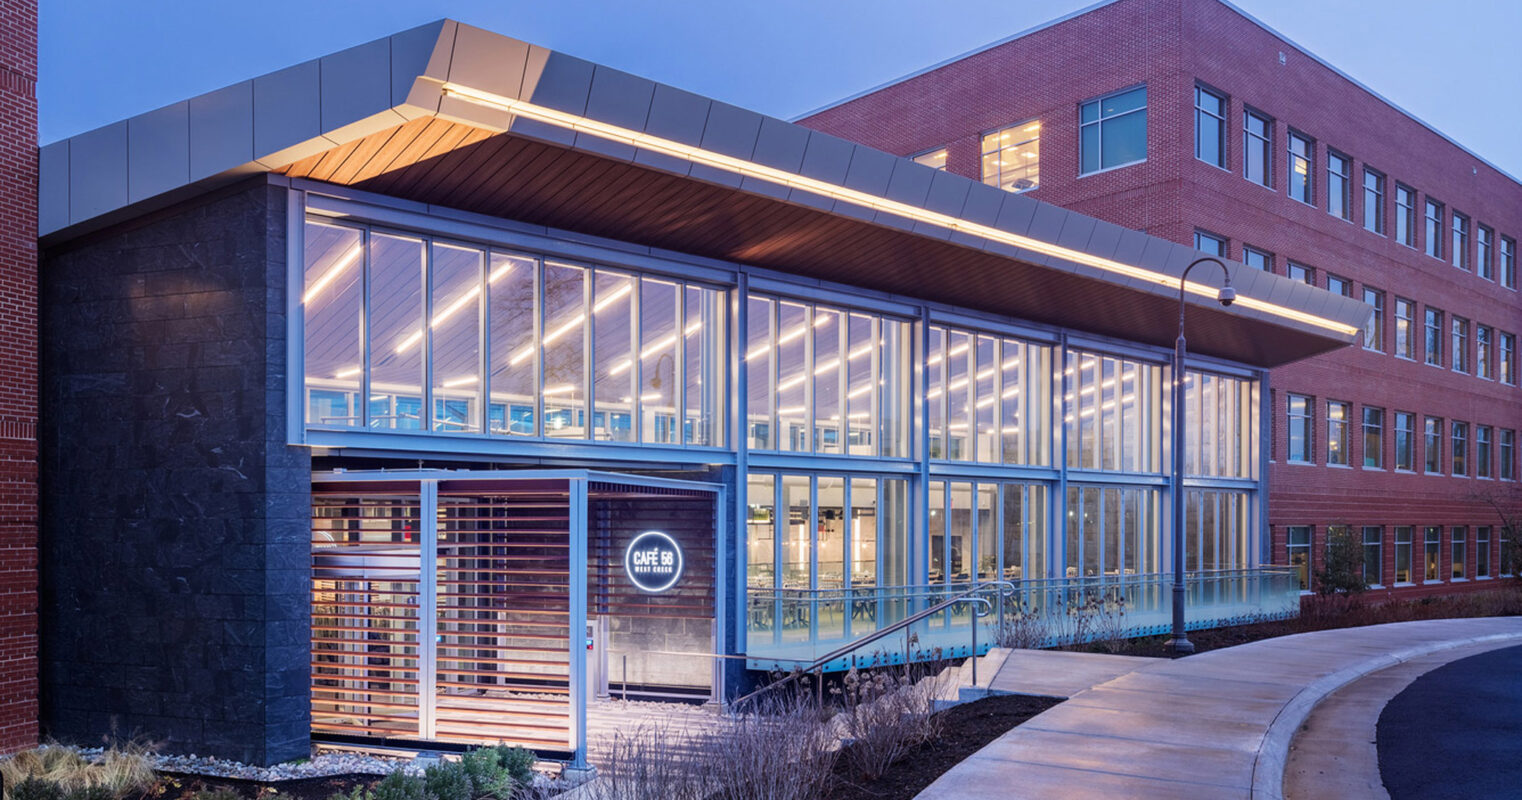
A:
(740, 166)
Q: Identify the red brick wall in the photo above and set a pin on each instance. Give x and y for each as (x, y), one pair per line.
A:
(1171, 44)
(18, 374)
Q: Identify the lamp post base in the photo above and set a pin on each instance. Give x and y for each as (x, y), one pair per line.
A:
(1180, 646)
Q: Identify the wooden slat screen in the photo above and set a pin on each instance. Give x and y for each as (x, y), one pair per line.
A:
(614, 518)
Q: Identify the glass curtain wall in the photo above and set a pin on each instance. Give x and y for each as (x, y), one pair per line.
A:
(986, 531)
(1111, 532)
(454, 338)
(1113, 413)
(988, 398)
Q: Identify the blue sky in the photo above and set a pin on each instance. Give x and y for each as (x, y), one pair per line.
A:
(1453, 64)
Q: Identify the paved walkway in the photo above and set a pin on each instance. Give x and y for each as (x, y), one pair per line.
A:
(1053, 673)
(1214, 725)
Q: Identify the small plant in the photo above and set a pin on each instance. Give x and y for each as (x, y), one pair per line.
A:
(1024, 627)
(121, 770)
(33, 789)
(885, 715)
(357, 792)
(498, 772)
(401, 786)
(449, 781)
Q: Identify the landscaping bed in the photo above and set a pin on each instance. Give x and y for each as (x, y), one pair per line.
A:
(181, 786)
(965, 729)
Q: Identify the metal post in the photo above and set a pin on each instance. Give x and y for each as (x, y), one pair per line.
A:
(1179, 644)
(974, 645)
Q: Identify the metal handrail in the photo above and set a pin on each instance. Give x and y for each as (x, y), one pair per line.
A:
(1005, 588)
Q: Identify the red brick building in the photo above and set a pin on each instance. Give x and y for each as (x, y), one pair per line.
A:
(1251, 148)
(18, 374)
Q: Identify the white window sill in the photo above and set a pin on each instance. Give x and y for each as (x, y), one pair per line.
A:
(1483, 578)
(1459, 580)
(1430, 583)
(1103, 170)
(1403, 585)
(1367, 468)
(1376, 586)
(1339, 466)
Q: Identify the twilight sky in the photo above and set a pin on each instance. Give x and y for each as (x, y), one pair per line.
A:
(1453, 64)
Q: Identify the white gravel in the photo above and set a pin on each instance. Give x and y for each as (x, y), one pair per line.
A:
(322, 764)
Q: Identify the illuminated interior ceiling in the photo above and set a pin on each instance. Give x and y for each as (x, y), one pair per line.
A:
(459, 117)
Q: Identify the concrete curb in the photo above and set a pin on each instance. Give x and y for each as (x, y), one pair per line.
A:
(1273, 755)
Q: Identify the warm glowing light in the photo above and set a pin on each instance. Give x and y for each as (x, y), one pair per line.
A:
(746, 168)
(344, 262)
(348, 373)
(465, 381)
(855, 393)
(565, 388)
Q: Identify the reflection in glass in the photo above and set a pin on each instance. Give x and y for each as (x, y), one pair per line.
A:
(564, 351)
(614, 372)
(456, 339)
(660, 340)
(512, 286)
(396, 325)
(333, 302)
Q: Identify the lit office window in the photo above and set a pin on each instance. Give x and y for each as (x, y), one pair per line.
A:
(1220, 418)
(1432, 540)
(1506, 453)
(1506, 367)
(826, 380)
(1485, 252)
(1113, 130)
(1402, 554)
(1484, 355)
(995, 531)
(1210, 243)
(988, 398)
(1482, 445)
(1508, 264)
(1460, 241)
(1302, 157)
(1209, 127)
(1111, 531)
(1405, 444)
(935, 159)
(1113, 413)
(1482, 551)
(1373, 438)
(1012, 157)
(1373, 201)
(1216, 524)
(1298, 553)
(1433, 341)
(1434, 228)
(1432, 445)
(1257, 148)
(1459, 449)
(1339, 185)
(1405, 328)
(1258, 259)
(1374, 329)
(1459, 544)
(1405, 215)
(1337, 414)
(1300, 272)
(1299, 429)
(1459, 355)
(1373, 555)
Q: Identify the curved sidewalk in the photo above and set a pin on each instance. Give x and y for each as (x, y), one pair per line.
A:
(1213, 725)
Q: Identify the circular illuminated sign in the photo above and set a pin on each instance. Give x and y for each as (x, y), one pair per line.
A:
(653, 562)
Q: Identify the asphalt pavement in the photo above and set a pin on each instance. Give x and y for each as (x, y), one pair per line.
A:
(1456, 732)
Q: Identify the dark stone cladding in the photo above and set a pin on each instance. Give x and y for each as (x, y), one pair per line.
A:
(176, 522)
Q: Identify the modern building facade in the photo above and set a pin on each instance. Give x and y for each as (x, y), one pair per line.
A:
(430, 390)
(1192, 121)
(18, 374)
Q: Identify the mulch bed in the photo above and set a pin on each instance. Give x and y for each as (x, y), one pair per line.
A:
(179, 786)
(965, 730)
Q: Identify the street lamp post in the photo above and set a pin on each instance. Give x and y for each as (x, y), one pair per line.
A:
(1180, 645)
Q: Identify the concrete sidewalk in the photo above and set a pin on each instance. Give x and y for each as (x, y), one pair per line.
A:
(1214, 725)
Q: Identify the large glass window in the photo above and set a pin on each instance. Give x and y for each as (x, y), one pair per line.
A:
(1216, 526)
(1434, 228)
(1373, 555)
(1405, 328)
(986, 531)
(1112, 531)
(1405, 215)
(1210, 243)
(1299, 428)
(1459, 448)
(1301, 273)
(1506, 367)
(1337, 414)
(1508, 264)
(1485, 252)
(1339, 185)
(1373, 201)
(1257, 148)
(1432, 543)
(509, 345)
(1298, 553)
(1432, 445)
(1405, 432)
(989, 398)
(1506, 447)
(826, 380)
(1302, 158)
(1484, 355)
(1114, 411)
(1209, 127)
(1460, 241)
(1012, 157)
(1113, 130)
(1258, 259)
(1403, 554)
(1459, 544)
(1482, 551)
(1433, 340)
(1221, 419)
(1373, 438)
(1374, 329)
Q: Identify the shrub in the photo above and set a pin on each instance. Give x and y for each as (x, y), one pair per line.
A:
(1344, 563)
(121, 770)
(498, 772)
(401, 786)
(884, 716)
(33, 789)
(448, 781)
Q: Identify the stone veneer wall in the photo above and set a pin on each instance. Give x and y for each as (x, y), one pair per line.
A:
(175, 556)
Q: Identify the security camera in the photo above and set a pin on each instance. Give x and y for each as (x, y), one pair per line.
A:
(1227, 296)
